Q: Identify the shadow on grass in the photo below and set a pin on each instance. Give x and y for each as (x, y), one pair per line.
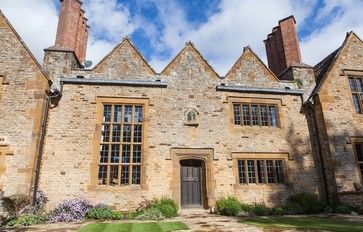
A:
(305, 223)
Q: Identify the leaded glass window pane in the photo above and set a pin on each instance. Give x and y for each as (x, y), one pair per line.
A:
(237, 114)
(115, 153)
(128, 114)
(125, 173)
(246, 115)
(136, 174)
(102, 175)
(117, 114)
(113, 175)
(126, 153)
(107, 110)
(105, 133)
(263, 113)
(104, 153)
(241, 171)
(273, 116)
(279, 171)
(261, 171)
(356, 103)
(136, 158)
(116, 133)
(137, 133)
(270, 171)
(127, 133)
(254, 115)
(138, 114)
(251, 171)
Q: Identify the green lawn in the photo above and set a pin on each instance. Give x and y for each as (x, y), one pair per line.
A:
(306, 223)
(135, 227)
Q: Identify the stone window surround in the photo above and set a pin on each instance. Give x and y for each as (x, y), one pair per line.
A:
(350, 73)
(278, 102)
(257, 169)
(100, 101)
(285, 157)
(354, 141)
(259, 116)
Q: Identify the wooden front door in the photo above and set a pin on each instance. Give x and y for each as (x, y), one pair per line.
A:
(191, 183)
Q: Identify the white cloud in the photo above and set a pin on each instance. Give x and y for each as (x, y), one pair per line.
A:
(37, 29)
(220, 38)
(325, 40)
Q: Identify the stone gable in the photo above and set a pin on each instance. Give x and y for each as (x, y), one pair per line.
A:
(23, 86)
(124, 62)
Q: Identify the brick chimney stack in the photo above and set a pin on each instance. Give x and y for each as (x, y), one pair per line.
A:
(72, 34)
(282, 46)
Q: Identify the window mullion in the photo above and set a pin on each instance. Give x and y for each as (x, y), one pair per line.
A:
(265, 171)
(274, 171)
(246, 172)
(256, 172)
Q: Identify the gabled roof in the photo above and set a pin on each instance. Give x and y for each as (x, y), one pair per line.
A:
(189, 45)
(243, 58)
(125, 41)
(322, 68)
(3, 17)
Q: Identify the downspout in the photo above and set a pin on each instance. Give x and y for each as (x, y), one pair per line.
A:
(311, 109)
(51, 101)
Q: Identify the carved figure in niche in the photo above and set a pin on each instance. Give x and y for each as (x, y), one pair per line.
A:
(191, 116)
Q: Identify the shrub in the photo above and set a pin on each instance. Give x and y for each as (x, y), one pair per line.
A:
(229, 206)
(167, 206)
(277, 211)
(70, 210)
(19, 201)
(103, 212)
(133, 214)
(345, 209)
(151, 214)
(260, 209)
(26, 220)
(304, 203)
(38, 207)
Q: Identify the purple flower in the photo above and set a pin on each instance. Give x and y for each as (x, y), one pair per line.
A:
(70, 210)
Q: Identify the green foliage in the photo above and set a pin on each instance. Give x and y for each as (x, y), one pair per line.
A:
(278, 211)
(229, 206)
(132, 215)
(260, 209)
(147, 227)
(166, 205)
(103, 212)
(152, 214)
(299, 82)
(26, 220)
(345, 209)
(304, 203)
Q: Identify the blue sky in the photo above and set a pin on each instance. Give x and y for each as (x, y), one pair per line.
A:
(219, 28)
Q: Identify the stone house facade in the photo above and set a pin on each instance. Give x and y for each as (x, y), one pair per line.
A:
(121, 133)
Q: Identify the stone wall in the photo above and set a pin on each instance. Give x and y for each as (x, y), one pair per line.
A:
(339, 123)
(71, 147)
(22, 88)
